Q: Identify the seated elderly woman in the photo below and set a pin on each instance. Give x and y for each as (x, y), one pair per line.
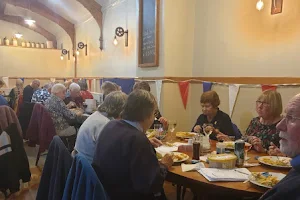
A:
(108, 87)
(41, 95)
(15, 93)
(74, 100)
(159, 119)
(84, 93)
(93, 125)
(262, 132)
(213, 118)
(125, 161)
(60, 114)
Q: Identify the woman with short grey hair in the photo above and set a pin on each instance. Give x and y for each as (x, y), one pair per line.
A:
(124, 153)
(108, 87)
(91, 128)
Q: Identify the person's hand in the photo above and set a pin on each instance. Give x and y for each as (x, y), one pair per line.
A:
(274, 150)
(257, 143)
(155, 142)
(164, 121)
(167, 161)
(197, 129)
(71, 104)
(222, 136)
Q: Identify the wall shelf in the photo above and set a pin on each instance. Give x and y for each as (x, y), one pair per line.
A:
(29, 47)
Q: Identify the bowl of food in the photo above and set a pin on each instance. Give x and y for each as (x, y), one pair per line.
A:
(222, 161)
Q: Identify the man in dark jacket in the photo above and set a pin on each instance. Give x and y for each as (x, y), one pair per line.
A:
(125, 160)
(289, 126)
(29, 90)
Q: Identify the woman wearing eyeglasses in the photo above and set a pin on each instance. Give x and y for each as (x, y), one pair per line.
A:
(262, 132)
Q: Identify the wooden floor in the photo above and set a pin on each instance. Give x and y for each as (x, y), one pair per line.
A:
(30, 192)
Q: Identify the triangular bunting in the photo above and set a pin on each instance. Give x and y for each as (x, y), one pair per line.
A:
(6, 81)
(268, 87)
(206, 86)
(94, 85)
(233, 92)
(158, 84)
(52, 80)
(22, 79)
(90, 84)
(184, 91)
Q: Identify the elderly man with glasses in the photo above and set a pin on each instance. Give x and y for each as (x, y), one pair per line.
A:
(289, 127)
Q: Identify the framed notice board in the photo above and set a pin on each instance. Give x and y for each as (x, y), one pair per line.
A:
(149, 33)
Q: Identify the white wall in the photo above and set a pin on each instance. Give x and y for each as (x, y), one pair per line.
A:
(9, 30)
(113, 61)
(232, 38)
(27, 62)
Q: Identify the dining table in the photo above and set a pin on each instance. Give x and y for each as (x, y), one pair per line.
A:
(205, 189)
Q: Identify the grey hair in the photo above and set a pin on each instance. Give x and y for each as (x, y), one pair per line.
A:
(48, 86)
(36, 81)
(19, 82)
(113, 104)
(83, 85)
(74, 87)
(108, 87)
(57, 88)
(139, 106)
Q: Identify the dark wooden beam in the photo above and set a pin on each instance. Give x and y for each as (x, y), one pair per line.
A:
(95, 9)
(44, 11)
(2, 8)
(38, 29)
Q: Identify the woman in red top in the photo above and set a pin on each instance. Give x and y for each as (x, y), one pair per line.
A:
(84, 93)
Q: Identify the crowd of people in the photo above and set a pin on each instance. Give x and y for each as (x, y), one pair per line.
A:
(113, 138)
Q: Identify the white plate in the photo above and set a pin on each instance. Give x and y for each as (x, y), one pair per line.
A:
(184, 159)
(275, 158)
(186, 137)
(278, 175)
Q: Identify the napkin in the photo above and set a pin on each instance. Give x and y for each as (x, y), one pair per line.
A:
(235, 175)
(166, 149)
(177, 144)
(203, 158)
(191, 167)
(251, 164)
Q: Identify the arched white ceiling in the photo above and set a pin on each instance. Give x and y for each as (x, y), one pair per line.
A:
(105, 3)
(40, 20)
(71, 10)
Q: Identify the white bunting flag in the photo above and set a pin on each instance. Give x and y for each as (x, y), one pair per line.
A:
(94, 85)
(6, 81)
(233, 92)
(158, 84)
(52, 80)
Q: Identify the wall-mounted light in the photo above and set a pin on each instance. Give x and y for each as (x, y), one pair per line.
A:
(81, 45)
(30, 22)
(259, 5)
(120, 32)
(115, 41)
(18, 35)
(63, 53)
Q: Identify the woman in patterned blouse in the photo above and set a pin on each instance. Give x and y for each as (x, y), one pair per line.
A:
(262, 132)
